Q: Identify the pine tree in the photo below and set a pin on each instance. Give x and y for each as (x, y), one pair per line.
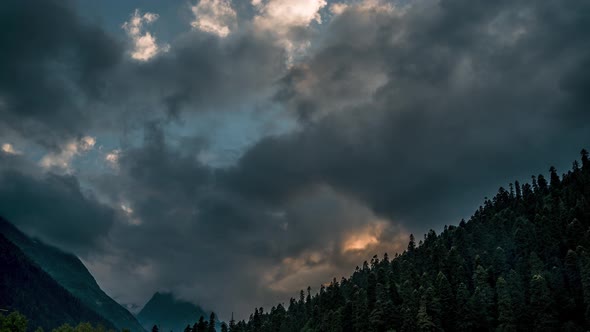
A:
(444, 295)
(201, 325)
(542, 183)
(517, 190)
(506, 319)
(423, 319)
(482, 299)
(554, 180)
(585, 281)
(232, 322)
(211, 325)
(412, 243)
(13, 322)
(541, 304)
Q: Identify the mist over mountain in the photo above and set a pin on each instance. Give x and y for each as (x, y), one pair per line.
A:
(169, 313)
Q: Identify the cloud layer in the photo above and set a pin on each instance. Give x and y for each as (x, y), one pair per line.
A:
(373, 119)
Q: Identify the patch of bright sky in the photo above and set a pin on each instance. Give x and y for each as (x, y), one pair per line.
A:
(110, 14)
(229, 134)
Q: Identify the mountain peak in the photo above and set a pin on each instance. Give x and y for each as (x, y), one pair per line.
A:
(169, 312)
(70, 273)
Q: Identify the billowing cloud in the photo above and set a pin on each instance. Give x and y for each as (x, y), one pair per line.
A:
(8, 148)
(112, 158)
(375, 6)
(62, 159)
(275, 248)
(214, 16)
(54, 65)
(285, 19)
(144, 43)
(55, 208)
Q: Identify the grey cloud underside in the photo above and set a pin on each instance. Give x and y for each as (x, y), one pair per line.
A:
(52, 63)
(463, 109)
(412, 118)
(52, 207)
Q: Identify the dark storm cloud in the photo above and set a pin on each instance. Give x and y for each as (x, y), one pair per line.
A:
(64, 76)
(52, 207)
(204, 72)
(51, 63)
(207, 242)
(477, 93)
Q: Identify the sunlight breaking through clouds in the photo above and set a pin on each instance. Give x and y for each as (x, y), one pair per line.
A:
(62, 160)
(112, 158)
(281, 17)
(9, 149)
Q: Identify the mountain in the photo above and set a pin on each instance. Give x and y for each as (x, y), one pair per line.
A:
(70, 273)
(521, 263)
(169, 313)
(25, 287)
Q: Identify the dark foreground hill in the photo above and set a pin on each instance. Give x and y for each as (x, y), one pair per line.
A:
(521, 263)
(169, 313)
(70, 273)
(25, 287)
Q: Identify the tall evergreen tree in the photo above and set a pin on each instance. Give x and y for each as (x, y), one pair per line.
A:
(212, 321)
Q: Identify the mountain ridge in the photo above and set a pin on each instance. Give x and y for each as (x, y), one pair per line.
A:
(27, 288)
(169, 312)
(70, 272)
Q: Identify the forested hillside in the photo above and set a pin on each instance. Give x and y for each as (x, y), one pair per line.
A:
(25, 287)
(70, 272)
(521, 263)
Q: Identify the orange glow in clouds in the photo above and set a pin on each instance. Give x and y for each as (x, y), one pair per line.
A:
(364, 238)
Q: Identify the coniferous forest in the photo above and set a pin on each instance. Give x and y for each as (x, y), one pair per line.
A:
(520, 263)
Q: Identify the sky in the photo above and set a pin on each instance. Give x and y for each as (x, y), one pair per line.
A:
(236, 151)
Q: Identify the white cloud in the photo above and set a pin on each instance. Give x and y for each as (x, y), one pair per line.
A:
(9, 149)
(285, 14)
(338, 8)
(145, 46)
(63, 159)
(214, 16)
(376, 6)
(128, 211)
(112, 158)
(280, 17)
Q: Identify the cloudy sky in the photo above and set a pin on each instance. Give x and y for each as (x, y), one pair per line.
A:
(236, 151)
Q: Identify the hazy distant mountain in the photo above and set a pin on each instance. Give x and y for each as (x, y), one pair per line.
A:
(70, 273)
(169, 313)
(25, 287)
